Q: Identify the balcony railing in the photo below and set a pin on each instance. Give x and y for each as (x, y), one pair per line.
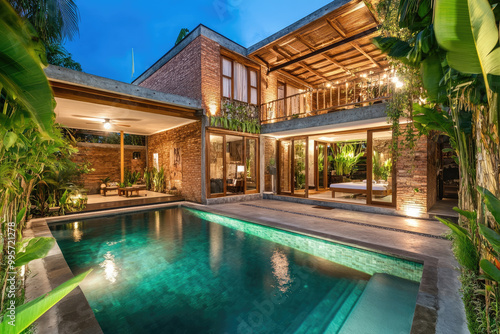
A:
(363, 91)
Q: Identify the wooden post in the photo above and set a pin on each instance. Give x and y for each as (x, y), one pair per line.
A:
(122, 159)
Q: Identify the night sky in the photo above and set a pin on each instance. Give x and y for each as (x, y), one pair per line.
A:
(109, 29)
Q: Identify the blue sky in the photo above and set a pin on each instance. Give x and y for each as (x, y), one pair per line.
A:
(109, 29)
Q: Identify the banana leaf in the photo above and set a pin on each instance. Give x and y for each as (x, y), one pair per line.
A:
(22, 58)
(28, 313)
(37, 248)
(492, 203)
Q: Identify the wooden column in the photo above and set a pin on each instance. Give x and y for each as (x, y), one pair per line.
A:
(122, 158)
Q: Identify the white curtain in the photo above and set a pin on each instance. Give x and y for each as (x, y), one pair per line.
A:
(240, 82)
(253, 87)
(226, 82)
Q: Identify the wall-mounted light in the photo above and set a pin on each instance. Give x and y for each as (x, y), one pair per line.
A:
(107, 124)
(328, 85)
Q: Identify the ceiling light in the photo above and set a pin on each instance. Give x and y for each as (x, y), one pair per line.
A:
(107, 124)
(328, 85)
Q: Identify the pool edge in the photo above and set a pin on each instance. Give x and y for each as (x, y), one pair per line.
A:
(426, 312)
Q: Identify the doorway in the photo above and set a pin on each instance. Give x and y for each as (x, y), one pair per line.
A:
(292, 166)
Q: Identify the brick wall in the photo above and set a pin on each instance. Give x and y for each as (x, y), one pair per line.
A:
(187, 176)
(210, 75)
(105, 159)
(181, 75)
(415, 190)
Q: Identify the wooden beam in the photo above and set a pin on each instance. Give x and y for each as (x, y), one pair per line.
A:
(122, 158)
(324, 49)
(357, 47)
(335, 27)
(286, 55)
(330, 59)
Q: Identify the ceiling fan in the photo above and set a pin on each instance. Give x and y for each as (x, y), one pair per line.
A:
(107, 122)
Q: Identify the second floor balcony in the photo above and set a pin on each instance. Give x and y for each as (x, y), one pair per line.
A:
(330, 97)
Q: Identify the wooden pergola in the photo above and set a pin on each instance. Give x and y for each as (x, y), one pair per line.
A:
(334, 47)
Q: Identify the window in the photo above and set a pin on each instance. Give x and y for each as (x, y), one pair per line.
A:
(232, 164)
(253, 87)
(239, 82)
(227, 75)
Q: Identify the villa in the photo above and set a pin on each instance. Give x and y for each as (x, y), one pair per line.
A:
(315, 88)
(282, 209)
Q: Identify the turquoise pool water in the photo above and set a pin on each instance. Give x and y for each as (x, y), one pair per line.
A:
(185, 271)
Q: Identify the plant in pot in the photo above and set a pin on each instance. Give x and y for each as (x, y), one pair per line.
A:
(271, 166)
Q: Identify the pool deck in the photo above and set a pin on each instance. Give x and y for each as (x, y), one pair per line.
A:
(439, 305)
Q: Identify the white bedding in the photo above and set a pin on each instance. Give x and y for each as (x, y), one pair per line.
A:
(358, 185)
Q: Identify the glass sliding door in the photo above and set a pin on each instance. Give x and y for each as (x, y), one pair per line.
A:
(321, 165)
(251, 165)
(284, 166)
(381, 169)
(235, 168)
(299, 166)
(216, 164)
(232, 164)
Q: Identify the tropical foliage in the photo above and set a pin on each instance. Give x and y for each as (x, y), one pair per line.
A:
(237, 117)
(54, 22)
(381, 169)
(451, 47)
(183, 33)
(30, 144)
(346, 157)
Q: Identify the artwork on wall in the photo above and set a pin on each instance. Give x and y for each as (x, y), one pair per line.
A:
(175, 158)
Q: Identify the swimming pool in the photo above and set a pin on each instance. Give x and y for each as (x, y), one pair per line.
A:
(181, 270)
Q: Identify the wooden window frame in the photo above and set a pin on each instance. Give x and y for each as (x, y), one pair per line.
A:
(227, 77)
(224, 133)
(249, 87)
(369, 168)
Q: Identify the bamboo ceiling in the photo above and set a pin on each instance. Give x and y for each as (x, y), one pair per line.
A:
(345, 61)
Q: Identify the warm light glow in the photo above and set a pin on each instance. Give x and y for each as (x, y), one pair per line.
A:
(281, 271)
(107, 124)
(110, 268)
(413, 210)
(399, 84)
(327, 139)
(213, 109)
(412, 222)
(328, 85)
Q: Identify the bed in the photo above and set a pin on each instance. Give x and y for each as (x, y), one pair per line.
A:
(378, 189)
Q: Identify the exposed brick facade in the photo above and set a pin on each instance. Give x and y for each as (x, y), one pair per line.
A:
(181, 74)
(186, 177)
(416, 178)
(105, 159)
(210, 75)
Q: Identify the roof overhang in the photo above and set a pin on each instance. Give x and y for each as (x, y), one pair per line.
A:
(84, 101)
(329, 45)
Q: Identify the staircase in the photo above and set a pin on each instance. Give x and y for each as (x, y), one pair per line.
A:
(330, 313)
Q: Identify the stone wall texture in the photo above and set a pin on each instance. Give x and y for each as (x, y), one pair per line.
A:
(105, 160)
(186, 177)
(416, 181)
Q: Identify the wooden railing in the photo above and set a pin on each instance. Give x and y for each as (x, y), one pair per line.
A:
(362, 91)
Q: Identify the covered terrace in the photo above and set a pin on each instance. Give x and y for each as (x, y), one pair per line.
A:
(95, 107)
(331, 55)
